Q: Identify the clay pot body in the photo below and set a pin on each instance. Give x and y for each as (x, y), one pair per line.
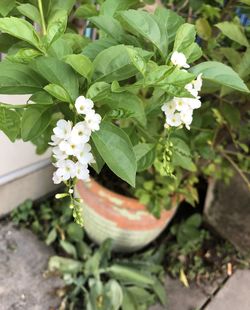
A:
(123, 219)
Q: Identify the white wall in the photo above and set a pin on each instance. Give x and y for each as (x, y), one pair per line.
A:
(23, 173)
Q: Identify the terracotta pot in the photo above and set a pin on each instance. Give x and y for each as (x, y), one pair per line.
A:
(123, 219)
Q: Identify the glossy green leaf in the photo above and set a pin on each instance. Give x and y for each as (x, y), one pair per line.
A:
(68, 248)
(59, 73)
(145, 155)
(6, 6)
(19, 79)
(143, 24)
(98, 91)
(35, 120)
(41, 97)
(116, 149)
(127, 102)
(20, 29)
(24, 55)
(64, 265)
(219, 73)
(96, 47)
(86, 10)
(234, 32)
(109, 7)
(58, 92)
(56, 26)
(117, 63)
(80, 64)
(171, 20)
(75, 232)
(9, 123)
(30, 11)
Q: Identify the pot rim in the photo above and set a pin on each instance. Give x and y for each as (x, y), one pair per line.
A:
(131, 203)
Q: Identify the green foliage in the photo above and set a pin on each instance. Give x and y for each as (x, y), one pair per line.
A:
(94, 277)
(129, 75)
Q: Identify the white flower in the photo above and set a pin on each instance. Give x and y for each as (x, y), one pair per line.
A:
(93, 120)
(83, 105)
(193, 103)
(56, 179)
(58, 153)
(63, 129)
(84, 155)
(55, 140)
(82, 172)
(174, 119)
(169, 107)
(80, 133)
(189, 87)
(179, 59)
(69, 147)
(66, 169)
(187, 118)
(181, 104)
(198, 82)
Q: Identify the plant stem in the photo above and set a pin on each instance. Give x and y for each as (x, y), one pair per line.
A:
(40, 5)
(236, 167)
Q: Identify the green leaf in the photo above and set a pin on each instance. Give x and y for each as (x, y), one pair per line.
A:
(116, 149)
(68, 248)
(203, 28)
(114, 293)
(64, 265)
(75, 232)
(20, 29)
(51, 237)
(244, 65)
(160, 291)
(219, 73)
(145, 155)
(231, 114)
(66, 5)
(234, 32)
(233, 56)
(181, 155)
(24, 55)
(35, 120)
(60, 48)
(86, 10)
(19, 79)
(96, 47)
(98, 91)
(6, 42)
(109, 25)
(9, 123)
(30, 11)
(6, 6)
(58, 92)
(143, 24)
(59, 73)
(172, 21)
(41, 97)
(56, 26)
(184, 37)
(80, 64)
(184, 42)
(127, 102)
(110, 7)
(131, 275)
(117, 63)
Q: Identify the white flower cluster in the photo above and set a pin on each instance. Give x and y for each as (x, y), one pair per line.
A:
(70, 143)
(179, 111)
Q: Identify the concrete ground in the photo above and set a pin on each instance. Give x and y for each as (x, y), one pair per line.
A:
(23, 260)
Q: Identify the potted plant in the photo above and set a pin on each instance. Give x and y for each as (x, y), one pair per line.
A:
(125, 101)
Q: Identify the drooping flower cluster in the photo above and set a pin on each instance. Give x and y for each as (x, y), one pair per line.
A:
(179, 111)
(71, 149)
